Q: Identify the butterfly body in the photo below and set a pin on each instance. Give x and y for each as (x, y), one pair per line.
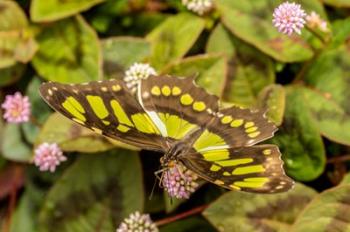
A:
(175, 116)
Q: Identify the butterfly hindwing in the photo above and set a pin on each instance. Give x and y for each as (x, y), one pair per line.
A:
(106, 107)
(252, 169)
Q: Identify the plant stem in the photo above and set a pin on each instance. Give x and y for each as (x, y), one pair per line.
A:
(339, 159)
(191, 212)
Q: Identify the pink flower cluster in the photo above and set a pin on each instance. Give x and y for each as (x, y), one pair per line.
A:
(289, 18)
(180, 182)
(137, 222)
(48, 157)
(17, 108)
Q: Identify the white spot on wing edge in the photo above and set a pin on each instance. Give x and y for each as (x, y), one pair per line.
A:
(152, 114)
(212, 148)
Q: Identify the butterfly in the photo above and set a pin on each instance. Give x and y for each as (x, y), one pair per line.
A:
(175, 116)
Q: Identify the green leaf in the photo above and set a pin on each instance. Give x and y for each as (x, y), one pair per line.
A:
(39, 109)
(273, 99)
(188, 225)
(70, 136)
(237, 211)
(95, 194)
(221, 41)
(173, 38)
(24, 216)
(329, 211)
(11, 74)
(299, 139)
(121, 52)
(44, 11)
(16, 41)
(249, 70)
(346, 179)
(328, 75)
(69, 52)
(209, 70)
(337, 3)
(13, 147)
(341, 32)
(252, 22)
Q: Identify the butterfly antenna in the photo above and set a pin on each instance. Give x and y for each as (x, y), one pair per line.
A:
(155, 181)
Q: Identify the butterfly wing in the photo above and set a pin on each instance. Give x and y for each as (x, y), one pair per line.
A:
(106, 107)
(257, 169)
(176, 105)
(219, 139)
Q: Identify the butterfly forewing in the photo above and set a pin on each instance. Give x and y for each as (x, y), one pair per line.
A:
(107, 108)
(179, 106)
(256, 169)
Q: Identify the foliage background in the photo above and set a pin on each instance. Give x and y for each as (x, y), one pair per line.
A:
(234, 51)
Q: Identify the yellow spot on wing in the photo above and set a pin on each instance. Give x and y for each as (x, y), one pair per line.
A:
(186, 99)
(208, 139)
(98, 131)
(227, 174)
(251, 129)
(249, 124)
(216, 155)
(120, 113)
(254, 134)
(248, 170)
(176, 91)
(199, 106)
(74, 108)
(235, 187)
(123, 128)
(166, 90)
(215, 168)
(116, 88)
(244, 184)
(176, 127)
(97, 105)
(155, 91)
(257, 179)
(144, 124)
(104, 89)
(237, 123)
(267, 152)
(234, 162)
(226, 119)
(219, 182)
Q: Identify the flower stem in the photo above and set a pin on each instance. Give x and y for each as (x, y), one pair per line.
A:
(177, 217)
(339, 159)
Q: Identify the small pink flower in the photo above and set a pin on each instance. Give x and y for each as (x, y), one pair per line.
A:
(315, 21)
(180, 182)
(17, 108)
(137, 222)
(289, 18)
(48, 157)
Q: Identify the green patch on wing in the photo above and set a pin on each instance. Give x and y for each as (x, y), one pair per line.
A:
(237, 212)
